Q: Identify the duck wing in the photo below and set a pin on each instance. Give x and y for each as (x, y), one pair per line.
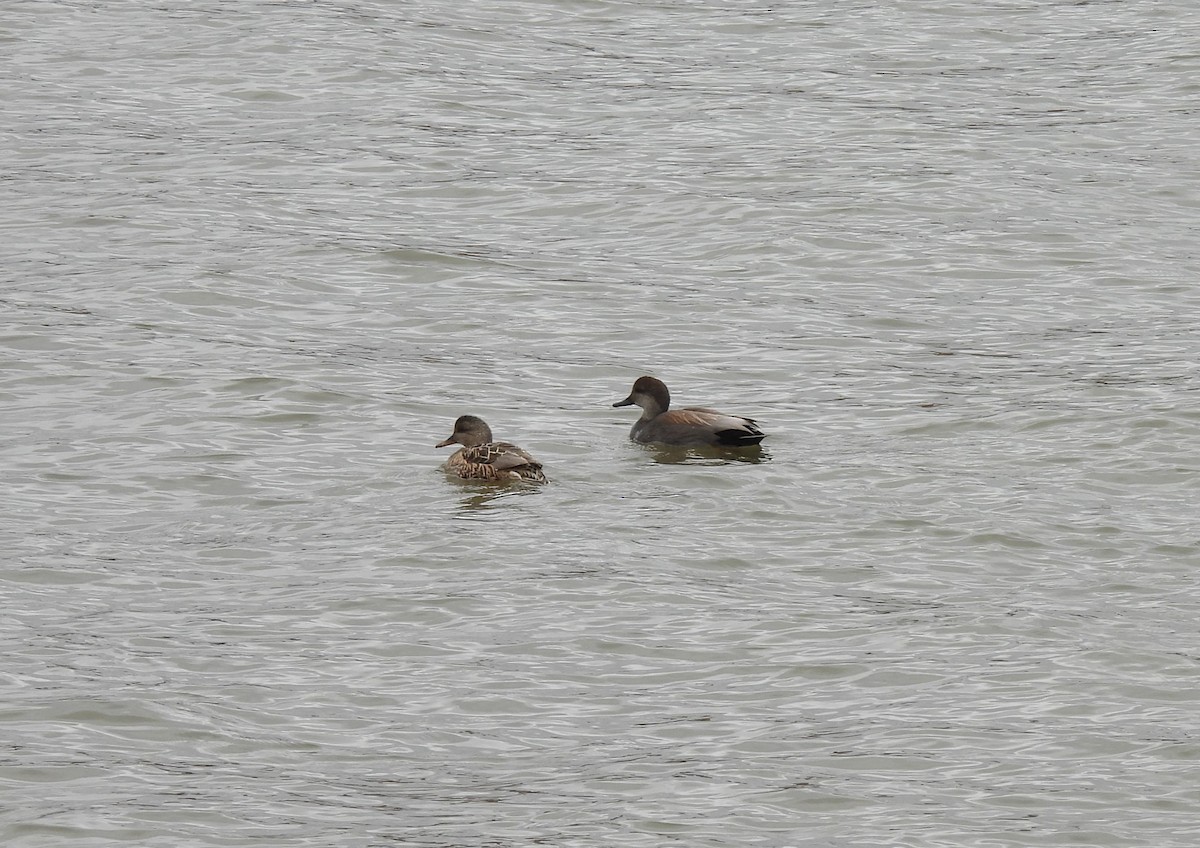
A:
(510, 456)
(493, 459)
(708, 426)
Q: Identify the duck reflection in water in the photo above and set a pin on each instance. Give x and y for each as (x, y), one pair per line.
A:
(705, 455)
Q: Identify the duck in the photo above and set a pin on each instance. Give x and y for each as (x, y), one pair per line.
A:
(687, 427)
(481, 457)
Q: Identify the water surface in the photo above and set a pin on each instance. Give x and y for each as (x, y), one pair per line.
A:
(259, 256)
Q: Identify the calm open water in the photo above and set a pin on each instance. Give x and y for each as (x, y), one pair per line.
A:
(257, 256)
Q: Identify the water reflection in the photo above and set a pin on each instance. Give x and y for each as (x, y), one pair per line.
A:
(707, 455)
(480, 497)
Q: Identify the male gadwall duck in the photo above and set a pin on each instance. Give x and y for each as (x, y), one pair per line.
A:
(480, 458)
(690, 427)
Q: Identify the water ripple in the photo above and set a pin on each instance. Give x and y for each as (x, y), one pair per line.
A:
(259, 259)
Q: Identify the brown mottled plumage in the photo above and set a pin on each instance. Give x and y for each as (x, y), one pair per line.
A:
(483, 459)
(689, 427)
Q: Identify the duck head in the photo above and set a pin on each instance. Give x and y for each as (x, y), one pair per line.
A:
(469, 431)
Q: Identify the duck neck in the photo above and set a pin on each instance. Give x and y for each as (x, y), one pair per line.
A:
(652, 409)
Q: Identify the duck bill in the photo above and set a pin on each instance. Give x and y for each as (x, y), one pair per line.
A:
(627, 402)
(445, 442)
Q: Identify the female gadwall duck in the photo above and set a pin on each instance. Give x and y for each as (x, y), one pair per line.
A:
(690, 427)
(480, 458)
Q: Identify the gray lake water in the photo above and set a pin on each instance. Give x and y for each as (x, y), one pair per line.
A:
(257, 256)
